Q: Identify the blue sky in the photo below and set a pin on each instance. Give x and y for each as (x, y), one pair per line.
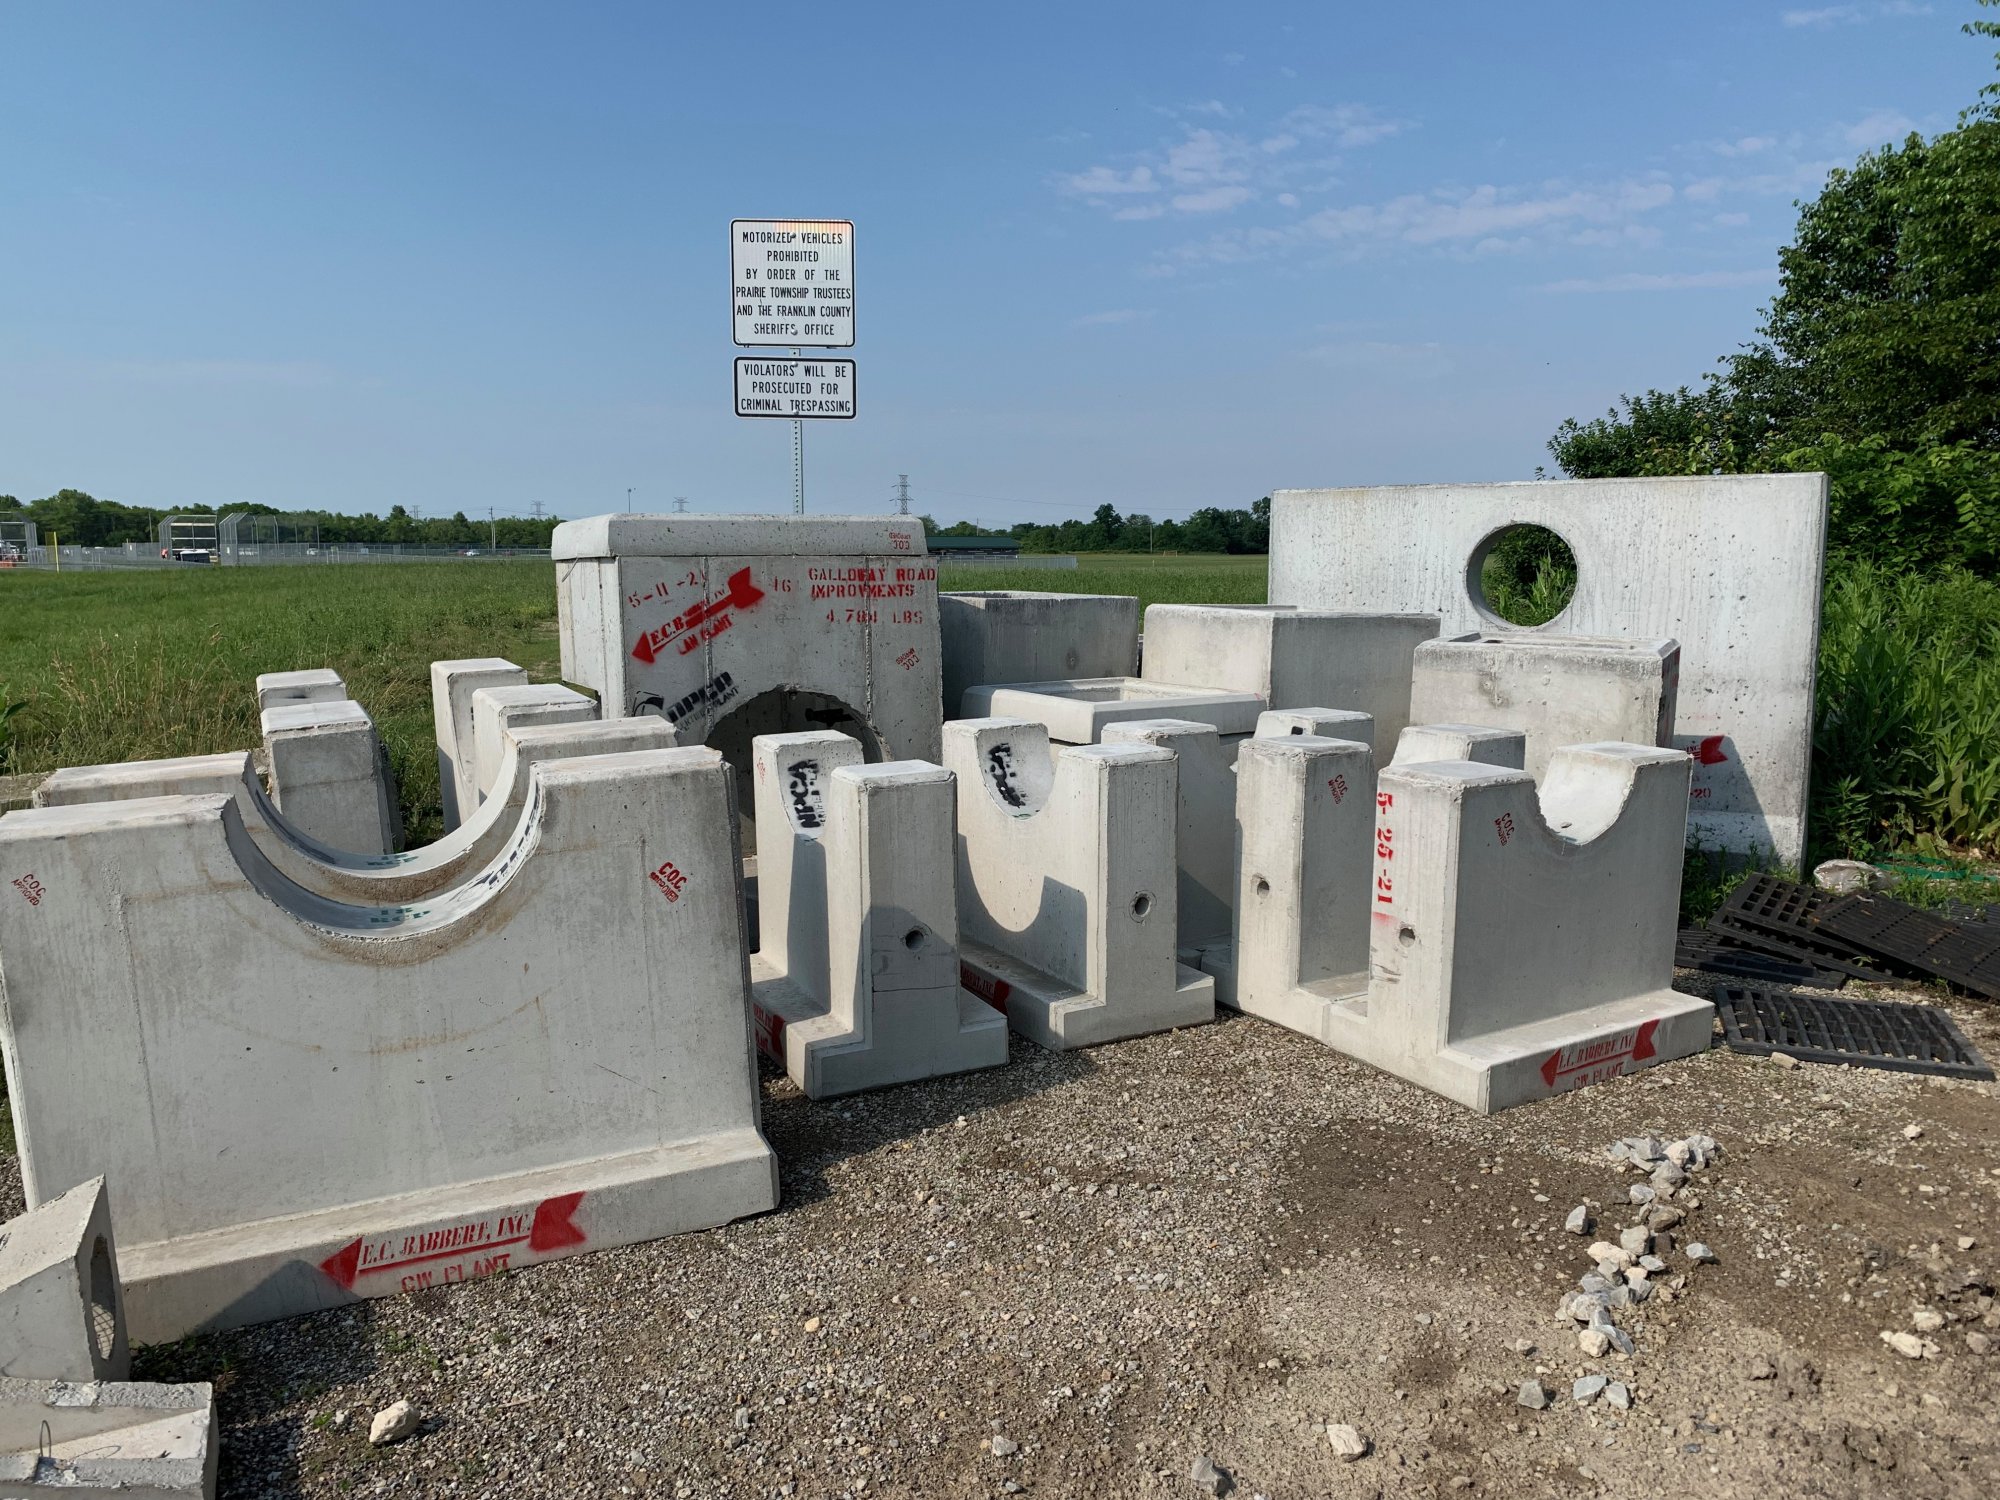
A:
(461, 255)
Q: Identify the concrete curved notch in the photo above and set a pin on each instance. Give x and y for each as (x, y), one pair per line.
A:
(1729, 566)
(305, 1101)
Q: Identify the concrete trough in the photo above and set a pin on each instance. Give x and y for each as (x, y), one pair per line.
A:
(1067, 884)
(1460, 929)
(98, 1440)
(1021, 635)
(856, 985)
(340, 1101)
(62, 1315)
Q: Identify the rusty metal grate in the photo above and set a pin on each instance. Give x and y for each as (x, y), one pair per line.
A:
(1710, 952)
(1966, 954)
(1862, 1033)
(1778, 916)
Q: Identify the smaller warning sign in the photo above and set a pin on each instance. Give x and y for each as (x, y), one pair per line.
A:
(794, 388)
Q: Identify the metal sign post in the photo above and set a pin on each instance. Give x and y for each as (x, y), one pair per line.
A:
(792, 286)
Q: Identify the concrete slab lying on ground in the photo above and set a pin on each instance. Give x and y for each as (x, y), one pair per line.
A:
(1077, 711)
(330, 775)
(856, 984)
(1067, 884)
(112, 1438)
(335, 1099)
(1017, 634)
(495, 710)
(452, 685)
(730, 627)
(1518, 942)
(312, 685)
(61, 1311)
(1727, 565)
(1555, 689)
(1291, 657)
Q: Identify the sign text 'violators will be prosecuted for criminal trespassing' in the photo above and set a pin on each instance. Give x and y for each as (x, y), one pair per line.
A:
(794, 388)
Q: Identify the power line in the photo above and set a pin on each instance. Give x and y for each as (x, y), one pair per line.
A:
(902, 494)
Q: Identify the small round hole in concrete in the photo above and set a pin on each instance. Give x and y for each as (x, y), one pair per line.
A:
(913, 939)
(1407, 936)
(1141, 905)
(1263, 886)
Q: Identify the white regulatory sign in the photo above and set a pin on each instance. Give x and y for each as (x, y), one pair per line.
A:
(794, 388)
(792, 283)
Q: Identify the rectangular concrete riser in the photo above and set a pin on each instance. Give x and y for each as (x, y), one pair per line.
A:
(330, 775)
(452, 685)
(1067, 884)
(496, 710)
(857, 983)
(300, 1102)
(1728, 565)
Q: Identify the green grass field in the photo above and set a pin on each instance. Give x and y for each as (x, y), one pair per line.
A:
(138, 665)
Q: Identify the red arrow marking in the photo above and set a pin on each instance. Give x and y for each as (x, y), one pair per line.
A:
(1635, 1046)
(343, 1264)
(1709, 751)
(740, 593)
(552, 1229)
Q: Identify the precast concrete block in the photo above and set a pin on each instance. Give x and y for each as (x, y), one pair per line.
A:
(496, 710)
(313, 685)
(1556, 689)
(330, 775)
(1328, 723)
(1023, 636)
(1727, 565)
(100, 1439)
(1489, 747)
(307, 1101)
(1077, 711)
(1067, 884)
(185, 775)
(365, 879)
(452, 685)
(730, 627)
(1518, 944)
(1205, 807)
(61, 1312)
(1290, 657)
(856, 984)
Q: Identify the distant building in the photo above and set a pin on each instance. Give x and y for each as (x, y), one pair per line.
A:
(973, 546)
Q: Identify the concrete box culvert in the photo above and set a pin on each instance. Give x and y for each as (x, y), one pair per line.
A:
(856, 984)
(335, 1092)
(1067, 886)
(1729, 566)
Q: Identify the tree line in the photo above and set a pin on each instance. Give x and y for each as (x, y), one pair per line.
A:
(81, 519)
(1208, 530)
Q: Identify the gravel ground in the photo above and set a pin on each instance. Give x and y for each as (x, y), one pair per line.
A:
(1083, 1273)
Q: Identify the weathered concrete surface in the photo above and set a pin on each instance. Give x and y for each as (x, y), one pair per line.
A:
(1518, 944)
(313, 685)
(309, 1102)
(1489, 747)
(1289, 657)
(1024, 636)
(1727, 565)
(856, 984)
(1204, 835)
(731, 627)
(61, 1311)
(1557, 690)
(1329, 723)
(452, 685)
(115, 1438)
(1067, 884)
(330, 775)
(180, 776)
(495, 710)
(1078, 712)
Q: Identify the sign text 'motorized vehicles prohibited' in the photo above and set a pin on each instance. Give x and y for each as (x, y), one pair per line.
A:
(794, 388)
(792, 283)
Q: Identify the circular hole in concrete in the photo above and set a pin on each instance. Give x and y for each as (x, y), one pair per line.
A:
(1523, 574)
(1141, 905)
(1263, 886)
(1407, 936)
(103, 1310)
(913, 939)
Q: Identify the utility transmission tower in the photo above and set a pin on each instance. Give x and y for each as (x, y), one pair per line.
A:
(538, 510)
(902, 494)
(680, 505)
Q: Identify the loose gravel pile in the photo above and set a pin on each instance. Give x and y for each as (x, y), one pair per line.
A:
(1221, 1261)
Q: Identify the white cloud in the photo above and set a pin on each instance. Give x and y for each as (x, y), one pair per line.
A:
(1878, 128)
(1103, 182)
(1136, 211)
(1213, 200)
(1113, 316)
(1288, 200)
(1232, 58)
(1667, 281)
(1730, 221)
(1748, 145)
(1832, 15)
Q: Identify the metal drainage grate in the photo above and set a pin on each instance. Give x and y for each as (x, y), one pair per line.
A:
(1698, 948)
(1778, 916)
(1864, 1033)
(1965, 953)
